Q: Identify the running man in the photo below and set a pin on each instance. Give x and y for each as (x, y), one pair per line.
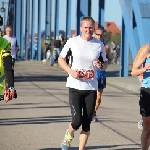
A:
(82, 82)
(101, 74)
(141, 65)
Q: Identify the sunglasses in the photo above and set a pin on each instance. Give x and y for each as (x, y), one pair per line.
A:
(99, 34)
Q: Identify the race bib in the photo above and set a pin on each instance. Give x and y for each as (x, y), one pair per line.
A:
(86, 74)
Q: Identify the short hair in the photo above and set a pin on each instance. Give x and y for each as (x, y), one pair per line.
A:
(87, 19)
(8, 27)
(99, 29)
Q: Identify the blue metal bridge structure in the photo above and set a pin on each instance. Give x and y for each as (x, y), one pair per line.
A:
(134, 33)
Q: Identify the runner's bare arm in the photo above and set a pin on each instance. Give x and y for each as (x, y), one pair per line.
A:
(64, 65)
(136, 70)
(105, 64)
(107, 50)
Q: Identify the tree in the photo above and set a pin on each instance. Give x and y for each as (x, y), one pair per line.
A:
(116, 37)
(107, 37)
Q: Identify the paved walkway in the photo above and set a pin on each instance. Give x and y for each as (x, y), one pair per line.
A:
(129, 84)
(38, 118)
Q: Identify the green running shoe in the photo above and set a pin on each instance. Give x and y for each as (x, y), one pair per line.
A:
(66, 143)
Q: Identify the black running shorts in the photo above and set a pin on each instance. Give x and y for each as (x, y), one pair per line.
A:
(101, 83)
(144, 101)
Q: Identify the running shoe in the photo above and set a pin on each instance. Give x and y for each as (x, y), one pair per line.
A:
(66, 143)
(140, 125)
(94, 117)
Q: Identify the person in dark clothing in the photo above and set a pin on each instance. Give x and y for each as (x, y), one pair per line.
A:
(57, 46)
(46, 47)
(7, 90)
(29, 49)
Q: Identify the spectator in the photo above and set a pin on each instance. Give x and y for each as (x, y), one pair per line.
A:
(114, 48)
(29, 49)
(60, 37)
(35, 50)
(46, 47)
(57, 46)
(14, 45)
(114, 45)
(63, 42)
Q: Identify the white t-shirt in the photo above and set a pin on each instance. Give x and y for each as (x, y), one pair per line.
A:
(13, 41)
(84, 54)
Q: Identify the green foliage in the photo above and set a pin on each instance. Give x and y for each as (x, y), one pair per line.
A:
(108, 37)
(116, 37)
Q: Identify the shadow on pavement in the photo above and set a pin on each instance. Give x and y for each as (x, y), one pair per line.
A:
(34, 107)
(40, 78)
(20, 104)
(34, 120)
(48, 78)
(42, 120)
(100, 147)
(62, 78)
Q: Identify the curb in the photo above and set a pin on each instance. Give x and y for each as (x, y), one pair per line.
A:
(124, 86)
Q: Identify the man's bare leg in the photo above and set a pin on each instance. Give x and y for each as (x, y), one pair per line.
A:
(83, 139)
(71, 130)
(98, 100)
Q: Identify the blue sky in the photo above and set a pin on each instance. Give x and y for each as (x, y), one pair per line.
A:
(112, 13)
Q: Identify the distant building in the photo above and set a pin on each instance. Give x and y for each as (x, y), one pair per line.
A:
(109, 27)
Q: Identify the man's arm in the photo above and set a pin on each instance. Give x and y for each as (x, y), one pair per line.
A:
(105, 66)
(108, 53)
(64, 65)
(103, 53)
